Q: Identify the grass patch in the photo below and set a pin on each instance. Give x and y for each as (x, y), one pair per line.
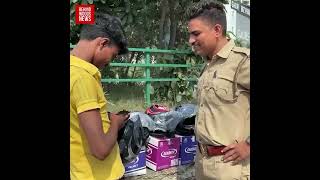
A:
(129, 97)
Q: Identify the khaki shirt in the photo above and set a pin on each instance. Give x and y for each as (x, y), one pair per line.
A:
(224, 106)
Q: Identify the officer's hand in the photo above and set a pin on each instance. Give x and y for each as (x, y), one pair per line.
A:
(118, 119)
(236, 152)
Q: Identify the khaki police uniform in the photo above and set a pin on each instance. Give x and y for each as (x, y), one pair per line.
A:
(223, 117)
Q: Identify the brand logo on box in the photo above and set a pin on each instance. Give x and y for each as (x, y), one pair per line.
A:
(136, 160)
(169, 153)
(133, 166)
(190, 150)
(149, 151)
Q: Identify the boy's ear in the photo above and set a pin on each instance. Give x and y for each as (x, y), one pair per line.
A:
(102, 42)
(106, 41)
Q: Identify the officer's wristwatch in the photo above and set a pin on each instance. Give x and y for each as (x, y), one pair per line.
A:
(248, 140)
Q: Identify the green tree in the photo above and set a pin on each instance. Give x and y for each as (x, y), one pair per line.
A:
(155, 24)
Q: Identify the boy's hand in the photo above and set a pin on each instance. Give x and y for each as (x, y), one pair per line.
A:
(118, 120)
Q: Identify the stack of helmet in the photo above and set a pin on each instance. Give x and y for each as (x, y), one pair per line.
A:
(131, 138)
(164, 119)
(158, 121)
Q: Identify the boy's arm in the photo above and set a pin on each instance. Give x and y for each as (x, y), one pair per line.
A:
(84, 97)
(100, 143)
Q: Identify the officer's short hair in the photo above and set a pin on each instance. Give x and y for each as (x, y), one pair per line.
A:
(106, 26)
(212, 12)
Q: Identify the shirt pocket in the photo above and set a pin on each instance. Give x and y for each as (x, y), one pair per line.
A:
(219, 90)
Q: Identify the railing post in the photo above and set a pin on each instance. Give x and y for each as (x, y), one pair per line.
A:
(148, 82)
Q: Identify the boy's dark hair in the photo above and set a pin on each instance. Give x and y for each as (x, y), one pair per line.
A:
(106, 26)
(212, 12)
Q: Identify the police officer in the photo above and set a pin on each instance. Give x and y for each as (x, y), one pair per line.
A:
(223, 121)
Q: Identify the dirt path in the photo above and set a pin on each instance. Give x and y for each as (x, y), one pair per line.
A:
(174, 173)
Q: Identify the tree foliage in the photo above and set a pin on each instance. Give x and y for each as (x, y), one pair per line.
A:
(156, 24)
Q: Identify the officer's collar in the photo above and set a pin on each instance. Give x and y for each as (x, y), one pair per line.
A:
(225, 51)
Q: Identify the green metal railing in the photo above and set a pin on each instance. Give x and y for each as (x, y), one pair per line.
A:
(147, 79)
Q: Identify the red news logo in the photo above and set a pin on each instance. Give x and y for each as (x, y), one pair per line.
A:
(84, 14)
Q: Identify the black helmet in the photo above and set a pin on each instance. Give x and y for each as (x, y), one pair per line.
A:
(146, 121)
(149, 125)
(131, 138)
(186, 126)
(166, 123)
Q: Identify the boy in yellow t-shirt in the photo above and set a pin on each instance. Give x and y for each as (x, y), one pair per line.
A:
(94, 151)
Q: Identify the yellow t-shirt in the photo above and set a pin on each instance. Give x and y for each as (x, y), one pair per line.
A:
(86, 93)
